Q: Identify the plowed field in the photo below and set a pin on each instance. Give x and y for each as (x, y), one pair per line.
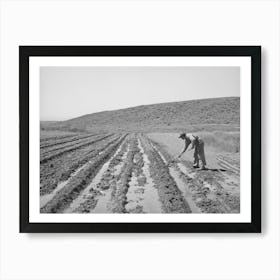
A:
(133, 173)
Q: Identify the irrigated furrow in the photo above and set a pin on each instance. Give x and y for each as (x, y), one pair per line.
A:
(124, 187)
(142, 196)
(169, 194)
(77, 184)
(150, 198)
(204, 188)
(61, 151)
(96, 197)
(134, 195)
(61, 168)
(119, 190)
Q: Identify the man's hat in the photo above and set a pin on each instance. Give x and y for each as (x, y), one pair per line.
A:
(183, 134)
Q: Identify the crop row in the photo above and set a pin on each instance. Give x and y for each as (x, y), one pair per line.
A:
(119, 190)
(47, 151)
(77, 184)
(107, 182)
(53, 154)
(51, 143)
(170, 196)
(206, 188)
(60, 168)
(119, 184)
(128, 162)
(136, 198)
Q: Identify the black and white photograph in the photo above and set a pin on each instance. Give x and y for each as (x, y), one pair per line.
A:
(139, 140)
(151, 138)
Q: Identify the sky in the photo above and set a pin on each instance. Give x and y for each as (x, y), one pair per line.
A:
(69, 92)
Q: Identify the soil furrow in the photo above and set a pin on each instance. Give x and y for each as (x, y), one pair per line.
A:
(63, 141)
(77, 184)
(135, 191)
(170, 196)
(131, 173)
(142, 196)
(61, 168)
(61, 147)
(203, 188)
(110, 179)
(44, 199)
(120, 188)
(98, 187)
(72, 148)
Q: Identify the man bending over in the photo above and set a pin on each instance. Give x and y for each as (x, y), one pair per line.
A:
(197, 145)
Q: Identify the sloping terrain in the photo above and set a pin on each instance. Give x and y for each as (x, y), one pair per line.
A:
(125, 161)
(157, 117)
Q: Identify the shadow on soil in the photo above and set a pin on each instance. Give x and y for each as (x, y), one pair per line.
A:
(212, 169)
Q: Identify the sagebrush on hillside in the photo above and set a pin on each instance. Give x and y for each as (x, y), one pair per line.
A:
(157, 117)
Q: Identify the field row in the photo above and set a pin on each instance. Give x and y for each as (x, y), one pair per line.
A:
(59, 168)
(76, 184)
(212, 191)
(132, 174)
(63, 149)
(62, 140)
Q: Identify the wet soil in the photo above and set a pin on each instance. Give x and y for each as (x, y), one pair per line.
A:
(60, 168)
(63, 198)
(142, 196)
(210, 191)
(135, 174)
(170, 196)
(97, 195)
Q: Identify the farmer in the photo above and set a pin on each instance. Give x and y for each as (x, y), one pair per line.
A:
(197, 145)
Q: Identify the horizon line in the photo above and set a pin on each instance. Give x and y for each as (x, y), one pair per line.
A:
(72, 118)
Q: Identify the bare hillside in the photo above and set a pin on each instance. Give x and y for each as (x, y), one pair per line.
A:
(157, 117)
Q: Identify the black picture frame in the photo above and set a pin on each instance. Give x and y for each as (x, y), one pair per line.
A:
(25, 52)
